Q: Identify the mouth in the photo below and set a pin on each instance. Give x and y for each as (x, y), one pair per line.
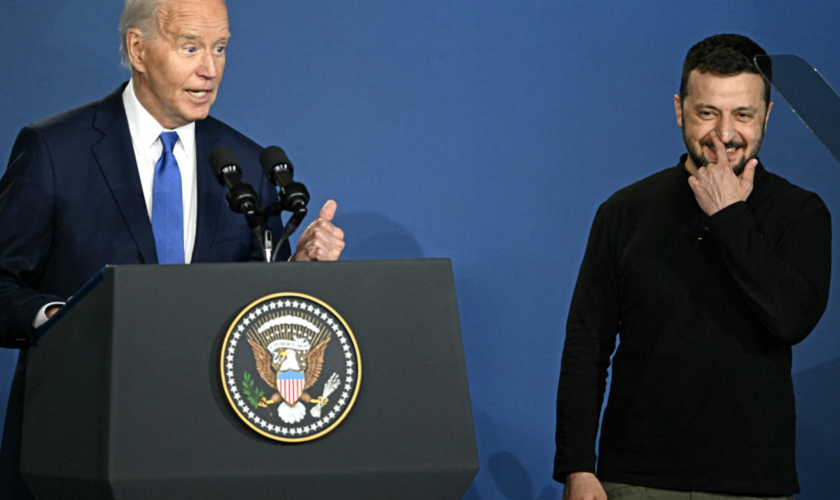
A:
(732, 150)
(199, 94)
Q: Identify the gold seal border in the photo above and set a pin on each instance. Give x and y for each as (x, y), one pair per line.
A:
(358, 369)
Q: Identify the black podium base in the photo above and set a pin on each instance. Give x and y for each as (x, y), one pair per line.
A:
(124, 398)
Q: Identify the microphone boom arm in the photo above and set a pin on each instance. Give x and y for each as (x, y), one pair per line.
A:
(291, 226)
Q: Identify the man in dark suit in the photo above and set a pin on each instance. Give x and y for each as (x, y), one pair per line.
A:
(83, 188)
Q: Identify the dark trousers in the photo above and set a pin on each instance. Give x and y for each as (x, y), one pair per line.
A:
(616, 491)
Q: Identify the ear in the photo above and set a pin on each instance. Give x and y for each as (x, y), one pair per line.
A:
(678, 110)
(767, 116)
(137, 47)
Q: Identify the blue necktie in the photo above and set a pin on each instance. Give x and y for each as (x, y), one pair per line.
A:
(167, 207)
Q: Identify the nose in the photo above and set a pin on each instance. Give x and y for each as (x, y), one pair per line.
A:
(725, 129)
(209, 66)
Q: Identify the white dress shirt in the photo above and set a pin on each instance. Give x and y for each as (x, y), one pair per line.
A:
(145, 135)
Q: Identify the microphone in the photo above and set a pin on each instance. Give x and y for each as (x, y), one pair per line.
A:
(279, 170)
(241, 196)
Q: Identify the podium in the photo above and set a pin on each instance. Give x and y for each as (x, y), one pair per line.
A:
(124, 397)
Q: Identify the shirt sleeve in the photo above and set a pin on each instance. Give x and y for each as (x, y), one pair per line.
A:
(41, 317)
(785, 282)
(591, 331)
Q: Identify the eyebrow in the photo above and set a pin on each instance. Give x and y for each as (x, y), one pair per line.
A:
(740, 108)
(191, 37)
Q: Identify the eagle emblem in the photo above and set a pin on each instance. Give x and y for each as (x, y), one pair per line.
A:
(299, 373)
(290, 367)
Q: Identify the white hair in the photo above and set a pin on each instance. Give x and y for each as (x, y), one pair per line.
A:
(141, 15)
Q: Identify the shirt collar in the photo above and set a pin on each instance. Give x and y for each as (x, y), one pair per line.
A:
(145, 130)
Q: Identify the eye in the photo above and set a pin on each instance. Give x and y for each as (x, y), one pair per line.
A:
(190, 50)
(220, 49)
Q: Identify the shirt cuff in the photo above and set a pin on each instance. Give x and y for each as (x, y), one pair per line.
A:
(41, 317)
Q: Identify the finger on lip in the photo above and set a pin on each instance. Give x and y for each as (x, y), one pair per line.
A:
(720, 148)
(711, 153)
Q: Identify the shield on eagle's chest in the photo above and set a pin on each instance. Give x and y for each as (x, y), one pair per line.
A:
(290, 385)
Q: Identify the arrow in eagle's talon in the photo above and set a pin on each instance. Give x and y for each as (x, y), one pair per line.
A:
(324, 402)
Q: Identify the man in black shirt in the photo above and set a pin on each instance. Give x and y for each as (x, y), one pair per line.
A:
(709, 272)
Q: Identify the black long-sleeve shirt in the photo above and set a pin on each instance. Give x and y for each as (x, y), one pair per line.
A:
(706, 310)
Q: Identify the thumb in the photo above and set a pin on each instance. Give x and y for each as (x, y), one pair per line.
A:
(749, 171)
(328, 212)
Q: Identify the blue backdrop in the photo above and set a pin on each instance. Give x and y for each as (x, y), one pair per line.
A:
(485, 131)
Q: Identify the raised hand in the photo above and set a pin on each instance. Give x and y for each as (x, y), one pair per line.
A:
(321, 240)
(716, 186)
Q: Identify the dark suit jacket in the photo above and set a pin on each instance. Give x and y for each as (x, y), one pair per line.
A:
(71, 202)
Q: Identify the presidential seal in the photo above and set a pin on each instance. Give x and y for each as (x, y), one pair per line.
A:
(290, 367)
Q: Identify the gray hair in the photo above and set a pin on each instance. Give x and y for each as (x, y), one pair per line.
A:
(141, 15)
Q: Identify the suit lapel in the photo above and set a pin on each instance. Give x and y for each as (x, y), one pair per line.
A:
(115, 155)
(206, 138)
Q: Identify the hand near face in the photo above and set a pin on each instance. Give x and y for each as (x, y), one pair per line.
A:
(716, 186)
(321, 240)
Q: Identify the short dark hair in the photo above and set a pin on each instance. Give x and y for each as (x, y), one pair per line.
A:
(723, 55)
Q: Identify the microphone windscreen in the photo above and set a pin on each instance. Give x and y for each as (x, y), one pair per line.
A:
(272, 156)
(220, 158)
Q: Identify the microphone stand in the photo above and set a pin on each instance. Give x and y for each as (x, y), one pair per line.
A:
(257, 223)
(266, 243)
(291, 199)
(291, 227)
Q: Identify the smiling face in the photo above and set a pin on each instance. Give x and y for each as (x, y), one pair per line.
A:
(177, 73)
(732, 106)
